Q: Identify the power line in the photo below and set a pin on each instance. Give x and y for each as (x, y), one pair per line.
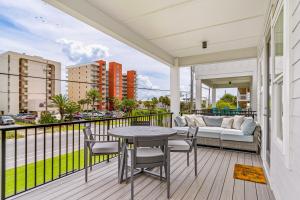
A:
(83, 82)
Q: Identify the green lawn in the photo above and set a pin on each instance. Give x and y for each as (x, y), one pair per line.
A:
(40, 170)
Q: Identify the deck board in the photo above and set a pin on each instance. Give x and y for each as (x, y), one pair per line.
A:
(214, 181)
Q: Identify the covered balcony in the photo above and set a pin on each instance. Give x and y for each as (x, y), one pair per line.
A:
(205, 34)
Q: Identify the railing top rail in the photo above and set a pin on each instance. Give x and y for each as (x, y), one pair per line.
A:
(77, 122)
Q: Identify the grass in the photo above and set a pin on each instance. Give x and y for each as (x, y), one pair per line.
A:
(33, 180)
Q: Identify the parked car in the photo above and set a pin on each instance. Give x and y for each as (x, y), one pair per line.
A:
(26, 116)
(6, 120)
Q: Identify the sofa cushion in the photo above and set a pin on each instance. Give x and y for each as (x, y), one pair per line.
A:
(190, 119)
(214, 121)
(209, 132)
(199, 121)
(235, 135)
(180, 121)
(248, 126)
(237, 122)
(227, 122)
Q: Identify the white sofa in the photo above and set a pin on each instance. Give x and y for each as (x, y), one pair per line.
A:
(224, 137)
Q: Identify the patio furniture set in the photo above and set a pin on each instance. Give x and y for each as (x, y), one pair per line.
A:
(148, 146)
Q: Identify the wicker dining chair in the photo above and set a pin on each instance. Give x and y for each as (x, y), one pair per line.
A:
(149, 152)
(95, 147)
(186, 145)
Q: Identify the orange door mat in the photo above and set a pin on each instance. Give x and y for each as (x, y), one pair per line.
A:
(249, 173)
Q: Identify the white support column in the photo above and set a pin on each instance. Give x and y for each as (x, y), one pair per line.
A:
(198, 94)
(175, 89)
(213, 96)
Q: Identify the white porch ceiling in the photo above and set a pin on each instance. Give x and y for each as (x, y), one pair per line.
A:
(167, 29)
(242, 81)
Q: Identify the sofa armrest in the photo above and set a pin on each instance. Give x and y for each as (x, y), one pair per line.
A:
(257, 136)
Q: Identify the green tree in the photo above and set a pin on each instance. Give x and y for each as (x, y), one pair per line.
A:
(94, 96)
(154, 101)
(60, 101)
(127, 105)
(116, 103)
(71, 108)
(81, 103)
(229, 98)
(228, 101)
(148, 105)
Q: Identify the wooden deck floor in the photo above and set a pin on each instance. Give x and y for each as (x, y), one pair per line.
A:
(214, 181)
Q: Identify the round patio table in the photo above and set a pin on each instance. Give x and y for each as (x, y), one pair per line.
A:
(130, 132)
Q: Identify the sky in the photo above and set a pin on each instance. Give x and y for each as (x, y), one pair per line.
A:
(36, 28)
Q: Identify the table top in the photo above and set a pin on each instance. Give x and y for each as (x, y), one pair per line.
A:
(134, 131)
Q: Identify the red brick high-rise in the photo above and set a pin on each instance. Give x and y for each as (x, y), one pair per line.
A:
(115, 82)
(131, 84)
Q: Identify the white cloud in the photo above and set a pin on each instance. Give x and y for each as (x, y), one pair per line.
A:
(147, 89)
(77, 52)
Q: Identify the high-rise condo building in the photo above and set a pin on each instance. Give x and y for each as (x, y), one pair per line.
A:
(27, 83)
(110, 83)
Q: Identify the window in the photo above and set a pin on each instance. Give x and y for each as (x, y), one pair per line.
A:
(278, 74)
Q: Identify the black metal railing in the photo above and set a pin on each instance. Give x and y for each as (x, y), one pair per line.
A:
(223, 112)
(39, 154)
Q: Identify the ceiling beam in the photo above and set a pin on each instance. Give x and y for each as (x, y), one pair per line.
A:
(87, 13)
(236, 54)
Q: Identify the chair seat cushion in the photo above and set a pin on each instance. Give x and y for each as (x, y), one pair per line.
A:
(179, 145)
(182, 130)
(105, 147)
(149, 155)
(209, 132)
(235, 135)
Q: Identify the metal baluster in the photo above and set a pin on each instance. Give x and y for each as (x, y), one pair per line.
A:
(44, 155)
(35, 155)
(15, 167)
(52, 152)
(79, 149)
(59, 152)
(3, 163)
(26, 143)
(67, 150)
(73, 143)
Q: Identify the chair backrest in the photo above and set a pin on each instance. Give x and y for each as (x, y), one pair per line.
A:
(140, 123)
(88, 135)
(193, 131)
(150, 141)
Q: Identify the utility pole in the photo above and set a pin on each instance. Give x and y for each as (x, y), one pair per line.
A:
(192, 87)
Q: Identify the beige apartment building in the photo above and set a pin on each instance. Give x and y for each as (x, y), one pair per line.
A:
(27, 83)
(83, 77)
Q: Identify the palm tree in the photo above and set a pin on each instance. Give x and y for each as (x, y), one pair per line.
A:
(94, 96)
(60, 101)
(82, 102)
(71, 108)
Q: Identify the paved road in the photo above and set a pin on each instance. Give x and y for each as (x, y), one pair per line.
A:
(66, 141)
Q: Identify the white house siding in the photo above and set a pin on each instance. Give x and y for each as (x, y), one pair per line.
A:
(285, 163)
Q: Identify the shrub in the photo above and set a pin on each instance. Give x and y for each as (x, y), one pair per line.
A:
(47, 118)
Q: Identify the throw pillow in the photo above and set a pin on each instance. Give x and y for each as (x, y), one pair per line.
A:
(199, 121)
(237, 122)
(248, 126)
(190, 119)
(227, 122)
(214, 121)
(180, 121)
